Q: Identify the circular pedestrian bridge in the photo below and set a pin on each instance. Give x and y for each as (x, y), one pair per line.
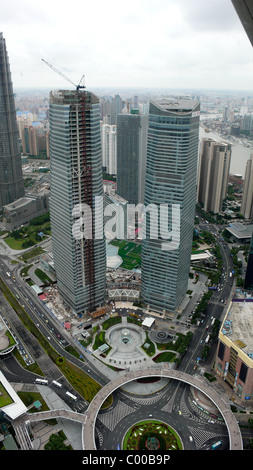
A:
(88, 435)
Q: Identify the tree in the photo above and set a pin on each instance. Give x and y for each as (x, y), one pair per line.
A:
(250, 421)
(56, 442)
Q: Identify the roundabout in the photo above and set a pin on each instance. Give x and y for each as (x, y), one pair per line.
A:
(232, 429)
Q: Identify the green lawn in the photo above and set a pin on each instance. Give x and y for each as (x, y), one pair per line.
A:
(32, 253)
(28, 398)
(14, 244)
(28, 235)
(5, 398)
(24, 271)
(166, 356)
(130, 253)
(43, 276)
(85, 385)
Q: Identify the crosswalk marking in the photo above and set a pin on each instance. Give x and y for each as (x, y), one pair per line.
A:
(200, 436)
(113, 417)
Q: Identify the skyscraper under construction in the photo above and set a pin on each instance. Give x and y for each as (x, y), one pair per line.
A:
(76, 184)
(11, 179)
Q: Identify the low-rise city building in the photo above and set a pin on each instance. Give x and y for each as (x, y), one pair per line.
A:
(234, 358)
(25, 209)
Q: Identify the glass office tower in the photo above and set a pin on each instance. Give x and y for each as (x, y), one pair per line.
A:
(76, 183)
(131, 156)
(171, 173)
(11, 178)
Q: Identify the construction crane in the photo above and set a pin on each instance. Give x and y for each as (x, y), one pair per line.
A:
(64, 76)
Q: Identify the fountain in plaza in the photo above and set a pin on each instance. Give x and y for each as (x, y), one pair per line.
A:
(129, 350)
(125, 336)
(126, 342)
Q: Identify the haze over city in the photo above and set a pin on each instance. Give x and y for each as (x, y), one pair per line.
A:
(187, 44)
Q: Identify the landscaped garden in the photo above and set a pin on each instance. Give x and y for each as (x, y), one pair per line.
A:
(58, 441)
(152, 435)
(5, 398)
(171, 351)
(24, 237)
(130, 253)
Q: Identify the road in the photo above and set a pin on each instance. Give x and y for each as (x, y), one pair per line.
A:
(176, 398)
(30, 349)
(215, 309)
(51, 329)
(172, 404)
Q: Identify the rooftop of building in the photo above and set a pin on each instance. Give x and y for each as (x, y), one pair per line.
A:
(238, 323)
(71, 96)
(116, 199)
(173, 104)
(24, 201)
(216, 142)
(14, 406)
(18, 203)
(240, 230)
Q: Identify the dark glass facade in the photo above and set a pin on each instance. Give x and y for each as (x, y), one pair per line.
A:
(11, 179)
(131, 156)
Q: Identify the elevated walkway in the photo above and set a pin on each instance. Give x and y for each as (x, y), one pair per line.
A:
(88, 419)
(235, 438)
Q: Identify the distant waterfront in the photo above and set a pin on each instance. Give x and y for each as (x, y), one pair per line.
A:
(240, 154)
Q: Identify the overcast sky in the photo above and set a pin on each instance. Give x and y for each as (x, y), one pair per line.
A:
(189, 44)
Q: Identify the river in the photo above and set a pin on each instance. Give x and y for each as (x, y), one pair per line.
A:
(239, 156)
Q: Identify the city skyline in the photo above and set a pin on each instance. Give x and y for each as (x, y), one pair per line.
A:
(192, 45)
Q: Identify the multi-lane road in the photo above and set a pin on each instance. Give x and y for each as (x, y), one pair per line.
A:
(172, 404)
(29, 347)
(53, 331)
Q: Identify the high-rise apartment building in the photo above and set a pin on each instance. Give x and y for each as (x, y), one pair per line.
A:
(247, 196)
(214, 164)
(171, 173)
(131, 156)
(111, 106)
(109, 148)
(117, 104)
(11, 179)
(247, 124)
(76, 200)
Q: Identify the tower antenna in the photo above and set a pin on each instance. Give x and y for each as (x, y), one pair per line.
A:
(64, 76)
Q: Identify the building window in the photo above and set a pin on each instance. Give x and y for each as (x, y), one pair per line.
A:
(221, 351)
(243, 372)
